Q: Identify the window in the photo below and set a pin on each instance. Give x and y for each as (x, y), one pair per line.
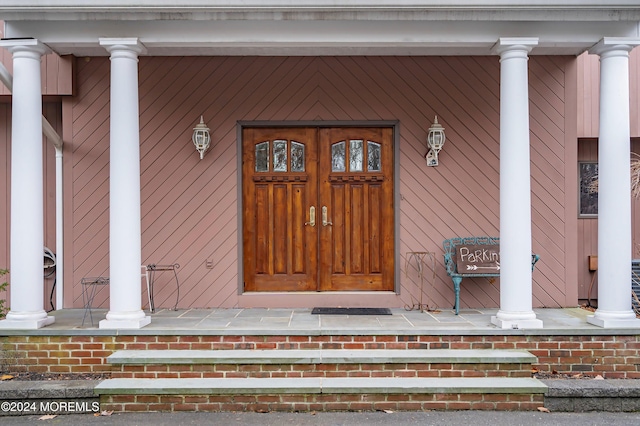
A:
(588, 176)
(282, 161)
(357, 156)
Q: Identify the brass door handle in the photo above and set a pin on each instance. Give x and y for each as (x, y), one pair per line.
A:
(312, 216)
(325, 221)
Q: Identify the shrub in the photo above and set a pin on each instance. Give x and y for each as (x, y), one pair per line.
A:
(3, 287)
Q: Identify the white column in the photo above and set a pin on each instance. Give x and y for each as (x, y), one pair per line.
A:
(614, 188)
(27, 188)
(516, 297)
(125, 308)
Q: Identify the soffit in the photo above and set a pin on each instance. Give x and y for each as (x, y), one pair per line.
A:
(320, 27)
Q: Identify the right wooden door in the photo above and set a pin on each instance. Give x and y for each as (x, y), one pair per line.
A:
(356, 209)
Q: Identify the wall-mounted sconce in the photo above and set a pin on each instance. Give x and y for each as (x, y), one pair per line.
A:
(435, 142)
(201, 137)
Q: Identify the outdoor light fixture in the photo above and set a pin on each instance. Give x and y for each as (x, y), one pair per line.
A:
(201, 137)
(435, 141)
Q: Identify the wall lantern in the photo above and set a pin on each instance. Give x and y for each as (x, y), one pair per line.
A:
(435, 141)
(201, 137)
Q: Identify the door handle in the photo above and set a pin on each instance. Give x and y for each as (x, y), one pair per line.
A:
(325, 221)
(312, 216)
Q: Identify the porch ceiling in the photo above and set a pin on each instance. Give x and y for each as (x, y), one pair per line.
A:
(320, 27)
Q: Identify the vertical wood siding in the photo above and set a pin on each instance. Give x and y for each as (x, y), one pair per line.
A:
(587, 233)
(5, 191)
(53, 113)
(588, 227)
(57, 72)
(589, 99)
(190, 206)
(588, 129)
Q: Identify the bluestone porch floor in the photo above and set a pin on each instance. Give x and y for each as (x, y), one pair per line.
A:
(258, 321)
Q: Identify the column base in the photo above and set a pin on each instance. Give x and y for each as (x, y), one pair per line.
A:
(26, 324)
(613, 323)
(125, 323)
(516, 324)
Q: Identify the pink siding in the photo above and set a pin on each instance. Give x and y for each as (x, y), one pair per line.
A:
(588, 227)
(57, 71)
(588, 128)
(5, 182)
(588, 102)
(190, 207)
(52, 112)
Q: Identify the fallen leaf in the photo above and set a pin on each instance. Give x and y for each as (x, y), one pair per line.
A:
(104, 413)
(543, 410)
(598, 377)
(554, 372)
(577, 376)
(388, 411)
(48, 417)
(6, 377)
(534, 370)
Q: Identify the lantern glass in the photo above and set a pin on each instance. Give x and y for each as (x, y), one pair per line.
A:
(436, 138)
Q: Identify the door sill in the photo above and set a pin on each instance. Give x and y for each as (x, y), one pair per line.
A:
(309, 299)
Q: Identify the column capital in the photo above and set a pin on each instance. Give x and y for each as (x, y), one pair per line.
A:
(25, 45)
(505, 44)
(608, 44)
(131, 44)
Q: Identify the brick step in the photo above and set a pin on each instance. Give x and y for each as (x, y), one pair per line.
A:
(320, 363)
(320, 394)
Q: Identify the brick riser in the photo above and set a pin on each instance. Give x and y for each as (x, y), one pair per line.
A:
(319, 370)
(321, 402)
(613, 357)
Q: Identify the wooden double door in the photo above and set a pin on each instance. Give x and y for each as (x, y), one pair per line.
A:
(318, 211)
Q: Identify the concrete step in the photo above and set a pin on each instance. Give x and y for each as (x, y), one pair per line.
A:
(322, 356)
(592, 395)
(23, 398)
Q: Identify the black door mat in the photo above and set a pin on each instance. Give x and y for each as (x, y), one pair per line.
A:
(351, 311)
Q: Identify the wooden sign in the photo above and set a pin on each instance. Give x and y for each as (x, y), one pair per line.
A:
(478, 259)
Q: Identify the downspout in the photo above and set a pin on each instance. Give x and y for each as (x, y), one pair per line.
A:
(51, 134)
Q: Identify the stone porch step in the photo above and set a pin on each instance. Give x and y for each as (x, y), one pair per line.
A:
(321, 356)
(321, 394)
(381, 385)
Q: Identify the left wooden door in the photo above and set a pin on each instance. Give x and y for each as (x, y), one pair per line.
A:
(280, 192)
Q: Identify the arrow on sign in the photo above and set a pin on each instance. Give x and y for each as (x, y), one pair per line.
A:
(475, 267)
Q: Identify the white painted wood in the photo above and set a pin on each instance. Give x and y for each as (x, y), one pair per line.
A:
(516, 303)
(614, 201)
(125, 310)
(27, 206)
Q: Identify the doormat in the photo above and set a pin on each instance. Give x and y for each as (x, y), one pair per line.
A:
(351, 311)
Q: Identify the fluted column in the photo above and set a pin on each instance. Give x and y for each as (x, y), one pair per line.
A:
(27, 188)
(516, 297)
(125, 304)
(614, 188)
